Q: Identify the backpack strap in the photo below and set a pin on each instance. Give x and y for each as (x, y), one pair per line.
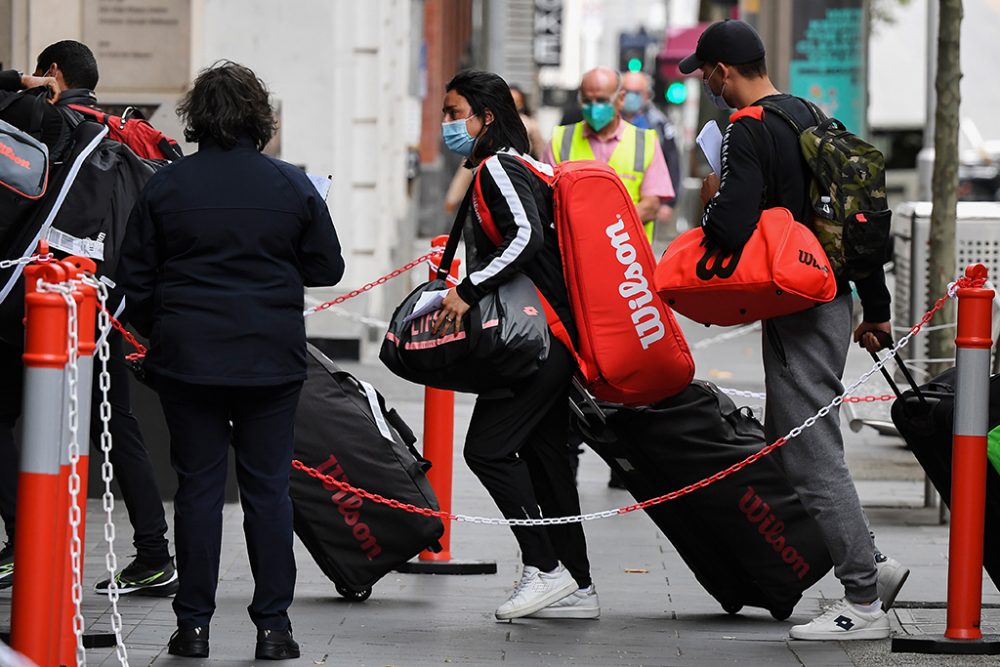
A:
(444, 267)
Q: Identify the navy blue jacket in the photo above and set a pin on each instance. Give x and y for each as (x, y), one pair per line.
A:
(218, 249)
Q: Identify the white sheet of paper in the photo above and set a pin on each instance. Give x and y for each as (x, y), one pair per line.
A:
(428, 302)
(710, 141)
(322, 184)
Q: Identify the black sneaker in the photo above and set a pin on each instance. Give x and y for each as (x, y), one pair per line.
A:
(137, 577)
(7, 566)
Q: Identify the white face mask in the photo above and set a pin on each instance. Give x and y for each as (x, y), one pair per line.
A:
(717, 99)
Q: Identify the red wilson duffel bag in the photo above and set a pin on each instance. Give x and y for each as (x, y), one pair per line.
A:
(782, 269)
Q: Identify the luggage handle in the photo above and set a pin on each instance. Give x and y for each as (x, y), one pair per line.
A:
(885, 340)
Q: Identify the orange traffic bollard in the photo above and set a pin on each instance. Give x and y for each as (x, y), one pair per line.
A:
(439, 445)
(35, 613)
(968, 478)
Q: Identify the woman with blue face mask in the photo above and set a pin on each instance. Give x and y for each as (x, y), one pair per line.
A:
(516, 443)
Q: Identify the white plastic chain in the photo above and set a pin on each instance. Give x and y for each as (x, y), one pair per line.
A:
(73, 389)
(107, 470)
(24, 261)
(794, 433)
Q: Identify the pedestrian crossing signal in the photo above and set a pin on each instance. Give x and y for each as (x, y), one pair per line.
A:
(676, 93)
(635, 65)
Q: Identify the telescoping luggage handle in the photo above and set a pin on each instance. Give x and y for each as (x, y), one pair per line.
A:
(885, 339)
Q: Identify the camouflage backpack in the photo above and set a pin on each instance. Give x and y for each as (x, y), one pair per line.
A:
(851, 217)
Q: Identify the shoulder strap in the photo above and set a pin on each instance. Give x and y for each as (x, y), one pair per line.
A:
(783, 115)
(444, 267)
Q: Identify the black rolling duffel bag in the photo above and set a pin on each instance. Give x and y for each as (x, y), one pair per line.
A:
(343, 429)
(747, 538)
(925, 417)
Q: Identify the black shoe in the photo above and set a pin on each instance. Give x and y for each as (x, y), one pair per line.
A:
(276, 645)
(142, 579)
(192, 643)
(7, 566)
(616, 481)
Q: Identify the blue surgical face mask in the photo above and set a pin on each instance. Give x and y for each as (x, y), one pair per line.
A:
(457, 138)
(716, 99)
(598, 114)
(633, 102)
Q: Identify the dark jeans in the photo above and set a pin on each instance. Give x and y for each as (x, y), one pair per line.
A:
(132, 468)
(516, 446)
(259, 422)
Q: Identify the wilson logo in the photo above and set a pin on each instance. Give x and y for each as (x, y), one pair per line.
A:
(349, 506)
(807, 258)
(771, 528)
(9, 153)
(716, 264)
(635, 288)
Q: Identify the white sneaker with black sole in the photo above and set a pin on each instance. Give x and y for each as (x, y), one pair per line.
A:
(844, 622)
(582, 603)
(891, 576)
(536, 589)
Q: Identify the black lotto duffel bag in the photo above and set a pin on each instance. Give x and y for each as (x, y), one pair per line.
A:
(925, 417)
(503, 338)
(343, 429)
(747, 538)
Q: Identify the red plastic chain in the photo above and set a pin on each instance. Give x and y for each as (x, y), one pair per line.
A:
(673, 495)
(384, 279)
(141, 349)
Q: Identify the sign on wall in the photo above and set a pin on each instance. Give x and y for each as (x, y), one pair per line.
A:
(828, 58)
(548, 32)
(140, 45)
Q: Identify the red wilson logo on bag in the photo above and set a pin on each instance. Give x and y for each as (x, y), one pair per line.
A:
(771, 528)
(349, 505)
(9, 153)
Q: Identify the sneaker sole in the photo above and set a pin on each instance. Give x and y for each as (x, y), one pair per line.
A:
(850, 635)
(895, 588)
(541, 603)
(163, 589)
(544, 612)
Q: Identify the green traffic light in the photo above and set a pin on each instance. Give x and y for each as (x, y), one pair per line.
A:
(634, 65)
(676, 93)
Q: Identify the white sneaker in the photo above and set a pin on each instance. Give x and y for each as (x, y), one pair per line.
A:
(536, 589)
(582, 603)
(891, 576)
(844, 622)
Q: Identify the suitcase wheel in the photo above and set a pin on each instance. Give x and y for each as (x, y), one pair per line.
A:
(781, 614)
(732, 608)
(355, 596)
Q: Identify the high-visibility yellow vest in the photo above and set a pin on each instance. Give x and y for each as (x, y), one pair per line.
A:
(630, 159)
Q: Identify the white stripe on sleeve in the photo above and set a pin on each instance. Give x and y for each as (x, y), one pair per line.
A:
(520, 242)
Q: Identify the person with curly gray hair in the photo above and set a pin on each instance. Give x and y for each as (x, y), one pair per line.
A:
(217, 252)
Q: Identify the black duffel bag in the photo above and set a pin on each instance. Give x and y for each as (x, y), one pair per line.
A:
(503, 338)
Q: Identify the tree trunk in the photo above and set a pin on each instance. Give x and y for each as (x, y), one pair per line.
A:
(942, 269)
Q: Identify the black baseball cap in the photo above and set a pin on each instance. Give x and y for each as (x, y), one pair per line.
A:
(730, 42)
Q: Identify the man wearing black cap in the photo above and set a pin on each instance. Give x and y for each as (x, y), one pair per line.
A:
(804, 353)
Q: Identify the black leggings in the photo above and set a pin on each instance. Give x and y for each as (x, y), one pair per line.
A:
(516, 445)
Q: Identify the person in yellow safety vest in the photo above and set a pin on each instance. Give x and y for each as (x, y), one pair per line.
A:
(605, 136)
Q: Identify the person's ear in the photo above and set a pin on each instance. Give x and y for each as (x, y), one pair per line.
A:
(487, 117)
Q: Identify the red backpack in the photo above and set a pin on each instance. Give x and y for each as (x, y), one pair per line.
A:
(135, 132)
(631, 349)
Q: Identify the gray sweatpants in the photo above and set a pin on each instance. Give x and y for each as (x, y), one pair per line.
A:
(804, 358)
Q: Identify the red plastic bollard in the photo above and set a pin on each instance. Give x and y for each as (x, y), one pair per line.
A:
(439, 438)
(969, 461)
(86, 345)
(35, 614)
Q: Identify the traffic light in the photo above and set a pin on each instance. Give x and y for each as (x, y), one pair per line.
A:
(632, 48)
(677, 93)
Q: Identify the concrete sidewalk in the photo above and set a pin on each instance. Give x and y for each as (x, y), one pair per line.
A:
(653, 610)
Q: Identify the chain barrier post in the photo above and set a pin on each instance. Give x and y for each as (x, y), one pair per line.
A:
(78, 267)
(968, 477)
(439, 448)
(35, 614)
